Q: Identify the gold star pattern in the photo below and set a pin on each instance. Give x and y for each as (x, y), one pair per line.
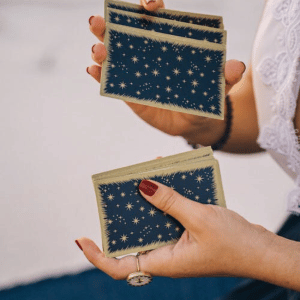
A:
(152, 212)
(129, 206)
(124, 238)
(168, 225)
(135, 221)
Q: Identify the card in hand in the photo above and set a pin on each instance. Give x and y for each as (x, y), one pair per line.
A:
(129, 223)
(164, 71)
(187, 30)
(186, 17)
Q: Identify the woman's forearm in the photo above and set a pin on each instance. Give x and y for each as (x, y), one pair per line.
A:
(244, 130)
(279, 264)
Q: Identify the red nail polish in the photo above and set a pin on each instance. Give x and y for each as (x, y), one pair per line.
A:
(87, 70)
(93, 48)
(244, 66)
(148, 187)
(78, 245)
(90, 19)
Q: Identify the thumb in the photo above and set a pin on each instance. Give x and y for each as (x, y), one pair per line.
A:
(152, 5)
(169, 201)
(234, 71)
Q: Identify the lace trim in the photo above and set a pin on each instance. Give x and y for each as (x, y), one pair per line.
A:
(282, 73)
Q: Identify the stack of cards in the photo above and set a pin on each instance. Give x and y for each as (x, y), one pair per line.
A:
(131, 224)
(168, 59)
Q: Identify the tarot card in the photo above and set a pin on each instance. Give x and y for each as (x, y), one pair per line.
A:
(204, 153)
(166, 26)
(130, 224)
(186, 17)
(164, 71)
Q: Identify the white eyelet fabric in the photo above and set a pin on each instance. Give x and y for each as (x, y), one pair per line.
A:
(276, 81)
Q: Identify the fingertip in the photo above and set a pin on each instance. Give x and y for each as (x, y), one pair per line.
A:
(95, 72)
(234, 71)
(152, 5)
(99, 53)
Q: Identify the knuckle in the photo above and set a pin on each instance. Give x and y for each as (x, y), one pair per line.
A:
(167, 200)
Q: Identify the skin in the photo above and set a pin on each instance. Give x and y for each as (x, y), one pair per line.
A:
(217, 241)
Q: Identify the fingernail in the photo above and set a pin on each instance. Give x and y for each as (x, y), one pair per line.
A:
(93, 48)
(147, 1)
(148, 188)
(244, 66)
(90, 19)
(79, 246)
(87, 70)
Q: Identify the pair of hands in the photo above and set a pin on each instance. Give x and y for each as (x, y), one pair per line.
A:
(216, 240)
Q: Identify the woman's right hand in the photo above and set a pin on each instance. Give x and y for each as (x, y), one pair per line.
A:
(195, 129)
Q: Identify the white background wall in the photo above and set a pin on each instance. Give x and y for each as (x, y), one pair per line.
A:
(56, 131)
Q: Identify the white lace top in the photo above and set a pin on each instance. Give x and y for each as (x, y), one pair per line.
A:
(276, 81)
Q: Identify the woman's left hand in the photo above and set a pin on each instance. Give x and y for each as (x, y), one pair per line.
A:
(216, 242)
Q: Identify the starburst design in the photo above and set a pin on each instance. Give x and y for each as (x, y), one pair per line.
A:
(171, 30)
(208, 58)
(209, 200)
(157, 96)
(155, 72)
(129, 206)
(138, 92)
(168, 77)
(119, 44)
(138, 74)
(197, 197)
(135, 221)
(179, 58)
(195, 83)
(199, 179)
(128, 20)
(142, 208)
(212, 107)
(168, 89)
(140, 240)
(146, 42)
(176, 71)
(123, 194)
(112, 85)
(117, 19)
(134, 59)
(124, 238)
(111, 197)
(122, 85)
(164, 48)
(176, 96)
(193, 91)
(177, 229)
(109, 221)
(202, 74)
(168, 225)
(159, 236)
(152, 212)
(159, 58)
(190, 34)
(213, 81)
(193, 51)
(183, 177)
(190, 72)
(113, 242)
(205, 93)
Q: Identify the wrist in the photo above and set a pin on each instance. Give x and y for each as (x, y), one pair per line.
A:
(212, 132)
